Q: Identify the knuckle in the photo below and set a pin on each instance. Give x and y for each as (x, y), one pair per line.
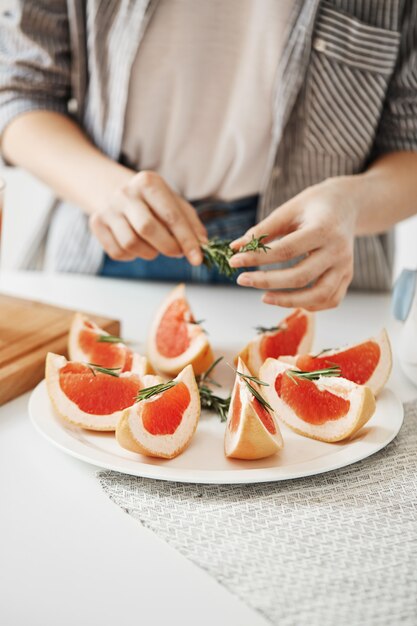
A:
(149, 255)
(130, 244)
(321, 231)
(95, 221)
(147, 227)
(333, 302)
(171, 219)
(148, 179)
(171, 250)
(313, 307)
(262, 280)
(286, 251)
(116, 255)
(301, 278)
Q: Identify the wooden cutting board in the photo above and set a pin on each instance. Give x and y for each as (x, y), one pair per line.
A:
(28, 330)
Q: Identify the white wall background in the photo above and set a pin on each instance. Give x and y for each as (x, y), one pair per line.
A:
(27, 202)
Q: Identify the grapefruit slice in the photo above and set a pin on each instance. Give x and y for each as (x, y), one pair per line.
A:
(87, 397)
(367, 363)
(87, 342)
(329, 408)
(176, 340)
(293, 335)
(252, 431)
(163, 424)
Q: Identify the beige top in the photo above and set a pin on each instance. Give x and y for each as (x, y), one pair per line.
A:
(200, 108)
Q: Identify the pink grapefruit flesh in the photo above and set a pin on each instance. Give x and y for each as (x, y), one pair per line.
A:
(172, 335)
(311, 404)
(236, 411)
(264, 416)
(356, 364)
(287, 340)
(165, 413)
(97, 393)
(104, 353)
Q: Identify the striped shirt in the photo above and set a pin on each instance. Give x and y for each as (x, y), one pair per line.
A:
(345, 92)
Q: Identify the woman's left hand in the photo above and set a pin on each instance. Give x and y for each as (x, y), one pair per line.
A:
(318, 224)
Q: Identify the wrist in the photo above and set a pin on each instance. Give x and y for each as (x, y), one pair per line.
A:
(112, 178)
(347, 194)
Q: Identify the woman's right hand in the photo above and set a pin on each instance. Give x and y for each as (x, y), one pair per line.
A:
(145, 217)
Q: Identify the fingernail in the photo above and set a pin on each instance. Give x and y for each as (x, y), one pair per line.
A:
(195, 257)
(244, 279)
(203, 239)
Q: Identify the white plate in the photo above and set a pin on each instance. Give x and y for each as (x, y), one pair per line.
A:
(204, 461)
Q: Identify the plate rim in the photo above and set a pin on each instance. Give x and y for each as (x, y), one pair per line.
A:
(214, 477)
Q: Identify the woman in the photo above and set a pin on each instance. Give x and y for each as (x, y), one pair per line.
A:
(299, 117)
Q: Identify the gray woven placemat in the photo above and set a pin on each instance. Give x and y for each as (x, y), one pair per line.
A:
(334, 549)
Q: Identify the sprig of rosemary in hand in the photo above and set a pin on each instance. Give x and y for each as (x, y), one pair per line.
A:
(334, 370)
(148, 392)
(110, 371)
(247, 380)
(255, 244)
(217, 252)
(208, 399)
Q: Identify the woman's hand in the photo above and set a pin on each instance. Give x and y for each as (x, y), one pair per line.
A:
(146, 218)
(318, 224)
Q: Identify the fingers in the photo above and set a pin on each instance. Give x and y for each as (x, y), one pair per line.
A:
(118, 238)
(289, 247)
(296, 277)
(164, 205)
(195, 222)
(149, 229)
(327, 293)
(107, 239)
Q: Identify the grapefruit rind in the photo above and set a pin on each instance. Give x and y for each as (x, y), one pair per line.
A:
(380, 375)
(199, 353)
(68, 410)
(251, 353)
(251, 440)
(140, 364)
(362, 405)
(132, 436)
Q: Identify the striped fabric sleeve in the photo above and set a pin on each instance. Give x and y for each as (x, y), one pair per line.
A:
(35, 62)
(398, 126)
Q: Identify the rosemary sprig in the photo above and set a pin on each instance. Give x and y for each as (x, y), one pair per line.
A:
(215, 403)
(148, 392)
(208, 399)
(246, 378)
(217, 252)
(110, 371)
(269, 329)
(205, 376)
(109, 339)
(255, 244)
(334, 370)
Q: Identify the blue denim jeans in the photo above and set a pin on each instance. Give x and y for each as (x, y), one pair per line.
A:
(226, 220)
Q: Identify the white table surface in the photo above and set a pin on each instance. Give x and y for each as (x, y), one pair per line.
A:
(68, 555)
